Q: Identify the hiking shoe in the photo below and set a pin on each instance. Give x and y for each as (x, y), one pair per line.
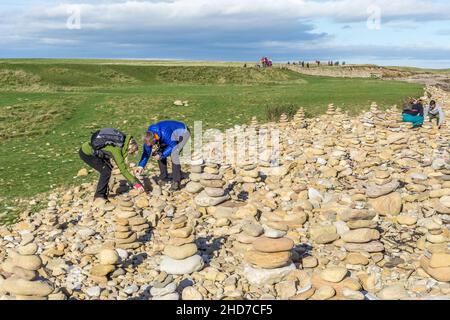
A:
(175, 186)
(162, 182)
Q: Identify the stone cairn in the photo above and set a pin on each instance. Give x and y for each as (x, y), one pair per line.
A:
(251, 231)
(164, 288)
(331, 110)
(107, 264)
(254, 122)
(299, 117)
(194, 185)
(50, 219)
(269, 260)
(23, 281)
(212, 181)
(128, 222)
(248, 175)
(284, 120)
(180, 252)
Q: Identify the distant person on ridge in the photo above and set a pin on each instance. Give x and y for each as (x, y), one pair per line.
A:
(435, 112)
(414, 113)
(170, 137)
(107, 144)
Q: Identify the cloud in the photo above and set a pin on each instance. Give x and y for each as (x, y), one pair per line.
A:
(225, 29)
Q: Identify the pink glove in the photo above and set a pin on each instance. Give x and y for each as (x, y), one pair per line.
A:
(138, 186)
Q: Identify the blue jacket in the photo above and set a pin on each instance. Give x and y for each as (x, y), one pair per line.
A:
(164, 132)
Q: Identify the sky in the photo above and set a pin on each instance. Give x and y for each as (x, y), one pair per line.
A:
(385, 32)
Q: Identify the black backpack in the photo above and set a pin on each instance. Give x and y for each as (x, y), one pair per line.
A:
(106, 137)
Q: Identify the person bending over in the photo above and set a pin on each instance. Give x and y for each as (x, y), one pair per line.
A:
(107, 144)
(168, 137)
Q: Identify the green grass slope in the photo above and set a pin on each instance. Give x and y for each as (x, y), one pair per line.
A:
(48, 109)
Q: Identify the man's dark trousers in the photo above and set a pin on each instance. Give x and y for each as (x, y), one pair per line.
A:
(104, 167)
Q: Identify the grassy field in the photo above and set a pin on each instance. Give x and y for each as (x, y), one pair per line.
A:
(48, 108)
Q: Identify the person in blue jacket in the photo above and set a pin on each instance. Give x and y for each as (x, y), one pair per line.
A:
(170, 137)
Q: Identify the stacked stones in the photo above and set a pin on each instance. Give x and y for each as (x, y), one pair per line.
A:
(180, 253)
(22, 265)
(381, 192)
(367, 120)
(284, 120)
(249, 175)
(107, 261)
(194, 185)
(164, 288)
(251, 231)
(254, 122)
(299, 117)
(212, 181)
(50, 219)
(437, 266)
(363, 235)
(269, 260)
(127, 221)
(331, 110)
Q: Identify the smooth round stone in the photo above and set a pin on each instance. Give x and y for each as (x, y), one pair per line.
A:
(250, 173)
(407, 220)
(212, 183)
(203, 200)
(18, 286)
(28, 249)
(30, 262)
(375, 191)
(268, 260)
(260, 277)
(94, 291)
(272, 233)
(393, 292)
(190, 293)
(445, 201)
(356, 258)
(101, 270)
(181, 241)
(194, 187)
(419, 176)
(170, 296)
(310, 262)
(245, 238)
(212, 171)
(334, 274)
(170, 288)
(108, 256)
(324, 293)
(179, 267)
(363, 235)
(439, 260)
(180, 252)
(210, 176)
(352, 294)
(196, 162)
(374, 246)
(253, 229)
(215, 192)
(273, 245)
(181, 232)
